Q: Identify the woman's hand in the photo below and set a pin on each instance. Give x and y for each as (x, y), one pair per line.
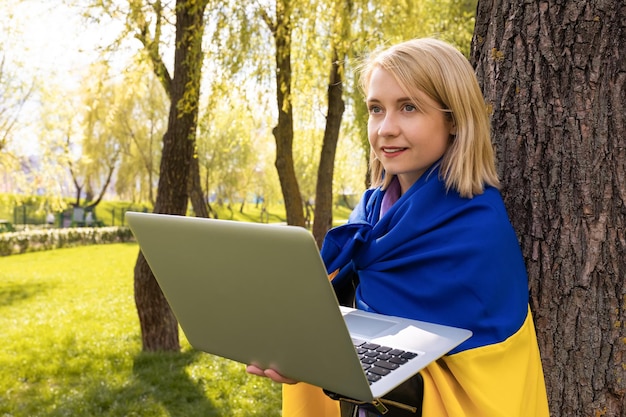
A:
(271, 374)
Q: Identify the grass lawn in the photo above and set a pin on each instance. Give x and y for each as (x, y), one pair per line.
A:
(71, 347)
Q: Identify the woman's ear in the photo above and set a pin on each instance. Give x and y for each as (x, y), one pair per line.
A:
(453, 128)
(451, 124)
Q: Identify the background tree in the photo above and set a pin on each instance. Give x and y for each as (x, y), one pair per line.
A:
(60, 119)
(555, 74)
(281, 27)
(15, 91)
(339, 34)
(143, 120)
(230, 144)
(159, 328)
(106, 131)
(101, 134)
(13, 95)
(149, 22)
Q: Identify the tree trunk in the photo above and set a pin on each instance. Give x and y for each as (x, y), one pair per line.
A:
(196, 195)
(106, 184)
(323, 213)
(159, 328)
(555, 74)
(283, 132)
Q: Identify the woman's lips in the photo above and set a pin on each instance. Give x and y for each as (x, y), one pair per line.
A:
(392, 151)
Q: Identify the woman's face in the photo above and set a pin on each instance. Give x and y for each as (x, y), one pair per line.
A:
(405, 139)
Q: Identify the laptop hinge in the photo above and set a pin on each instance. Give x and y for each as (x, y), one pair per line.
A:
(380, 407)
(396, 404)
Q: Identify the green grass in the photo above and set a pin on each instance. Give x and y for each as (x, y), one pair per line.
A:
(71, 347)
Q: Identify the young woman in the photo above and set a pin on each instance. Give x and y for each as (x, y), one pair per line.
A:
(432, 240)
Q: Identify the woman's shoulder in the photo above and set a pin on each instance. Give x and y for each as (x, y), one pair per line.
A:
(487, 210)
(484, 209)
(490, 197)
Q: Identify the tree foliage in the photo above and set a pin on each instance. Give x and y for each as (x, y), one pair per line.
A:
(315, 44)
(282, 66)
(232, 144)
(15, 92)
(143, 121)
(13, 95)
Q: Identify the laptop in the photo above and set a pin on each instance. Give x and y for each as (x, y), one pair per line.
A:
(259, 294)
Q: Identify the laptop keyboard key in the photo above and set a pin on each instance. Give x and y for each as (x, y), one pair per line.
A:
(408, 355)
(379, 371)
(378, 361)
(373, 378)
(398, 360)
(387, 365)
(370, 346)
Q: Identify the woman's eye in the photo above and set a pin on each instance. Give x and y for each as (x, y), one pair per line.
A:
(375, 109)
(409, 107)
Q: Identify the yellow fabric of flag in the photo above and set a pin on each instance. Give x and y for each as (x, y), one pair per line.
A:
(499, 380)
(304, 400)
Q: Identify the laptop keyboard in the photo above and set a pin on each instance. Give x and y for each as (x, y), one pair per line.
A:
(378, 361)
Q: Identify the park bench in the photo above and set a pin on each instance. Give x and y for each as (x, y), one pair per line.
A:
(82, 217)
(6, 226)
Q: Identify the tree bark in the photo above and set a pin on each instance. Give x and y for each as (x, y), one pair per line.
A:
(554, 73)
(159, 328)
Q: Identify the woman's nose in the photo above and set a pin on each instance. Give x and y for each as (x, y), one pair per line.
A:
(388, 126)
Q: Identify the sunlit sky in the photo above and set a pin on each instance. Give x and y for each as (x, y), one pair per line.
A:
(51, 38)
(52, 43)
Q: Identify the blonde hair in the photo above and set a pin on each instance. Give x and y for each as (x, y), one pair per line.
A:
(442, 73)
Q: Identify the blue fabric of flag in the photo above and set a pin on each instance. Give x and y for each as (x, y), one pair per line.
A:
(435, 256)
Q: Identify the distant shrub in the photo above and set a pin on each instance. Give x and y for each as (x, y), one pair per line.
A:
(45, 239)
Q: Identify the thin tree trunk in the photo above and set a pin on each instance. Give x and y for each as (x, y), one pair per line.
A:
(323, 213)
(106, 184)
(283, 131)
(555, 74)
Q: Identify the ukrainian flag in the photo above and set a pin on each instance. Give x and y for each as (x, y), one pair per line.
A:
(439, 257)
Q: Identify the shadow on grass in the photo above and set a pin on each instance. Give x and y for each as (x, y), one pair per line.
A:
(11, 294)
(163, 377)
(159, 385)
